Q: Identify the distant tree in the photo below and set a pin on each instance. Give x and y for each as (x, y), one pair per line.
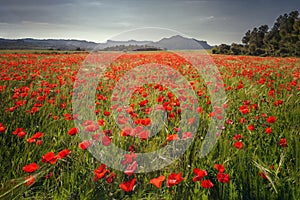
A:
(283, 39)
(236, 49)
(246, 38)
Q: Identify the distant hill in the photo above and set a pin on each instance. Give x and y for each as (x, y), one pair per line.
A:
(56, 44)
(178, 42)
(173, 43)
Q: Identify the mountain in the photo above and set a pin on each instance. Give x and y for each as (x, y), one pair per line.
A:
(112, 43)
(178, 42)
(29, 43)
(173, 43)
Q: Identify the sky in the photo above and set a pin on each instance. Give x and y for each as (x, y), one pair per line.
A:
(216, 21)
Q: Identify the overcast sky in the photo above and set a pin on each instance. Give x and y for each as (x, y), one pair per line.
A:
(216, 21)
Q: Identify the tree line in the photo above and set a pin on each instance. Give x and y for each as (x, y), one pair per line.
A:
(283, 39)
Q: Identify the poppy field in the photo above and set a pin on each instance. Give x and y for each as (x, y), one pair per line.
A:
(43, 156)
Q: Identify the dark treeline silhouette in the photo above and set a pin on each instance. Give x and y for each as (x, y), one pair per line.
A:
(283, 39)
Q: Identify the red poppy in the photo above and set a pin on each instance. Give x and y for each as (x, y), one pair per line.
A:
(106, 113)
(251, 127)
(110, 178)
(30, 168)
(223, 178)
(271, 119)
(127, 186)
(85, 144)
(100, 172)
(130, 170)
(49, 175)
(157, 182)
(143, 134)
(39, 142)
(237, 137)
(238, 145)
(49, 158)
(207, 184)
(278, 102)
(91, 128)
(106, 140)
(199, 174)
(174, 179)
(282, 142)
(263, 175)
(191, 121)
(268, 130)
(63, 153)
(29, 180)
(242, 120)
(187, 135)
(2, 128)
(220, 168)
(101, 122)
(244, 109)
(128, 158)
(19, 132)
(37, 135)
(73, 131)
(172, 137)
(143, 103)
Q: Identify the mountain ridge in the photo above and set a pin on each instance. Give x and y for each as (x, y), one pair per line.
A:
(175, 42)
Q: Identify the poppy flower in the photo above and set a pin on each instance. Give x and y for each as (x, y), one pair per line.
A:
(29, 180)
(244, 109)
(207, 184)
(223, 178)
(220, 168)
(127, 186)
(278, 102)
(237, 137)
(30, 168)
(63, 153)
(47, 176)
(282, 142)
(143, 103)
(39, 142)
(187, 135)
(174, 179)
(172, 137)
(110, 178)
(143, 134)
(37, 135)
(106, 113)
(85, 144)
(73, 131)
(145, 122)
(238, 145)
(157, 182)
(131, 168)
(100, 172)
(101, 122)
(2, 128)
(91, 128)
(268, 130)
(199, 174)
(191, 121)
(251, 127)
(106, 140)
(49, 158)
(19, 132)
(243, 120)
(128, 158)
(263, 175)
(271, 119)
